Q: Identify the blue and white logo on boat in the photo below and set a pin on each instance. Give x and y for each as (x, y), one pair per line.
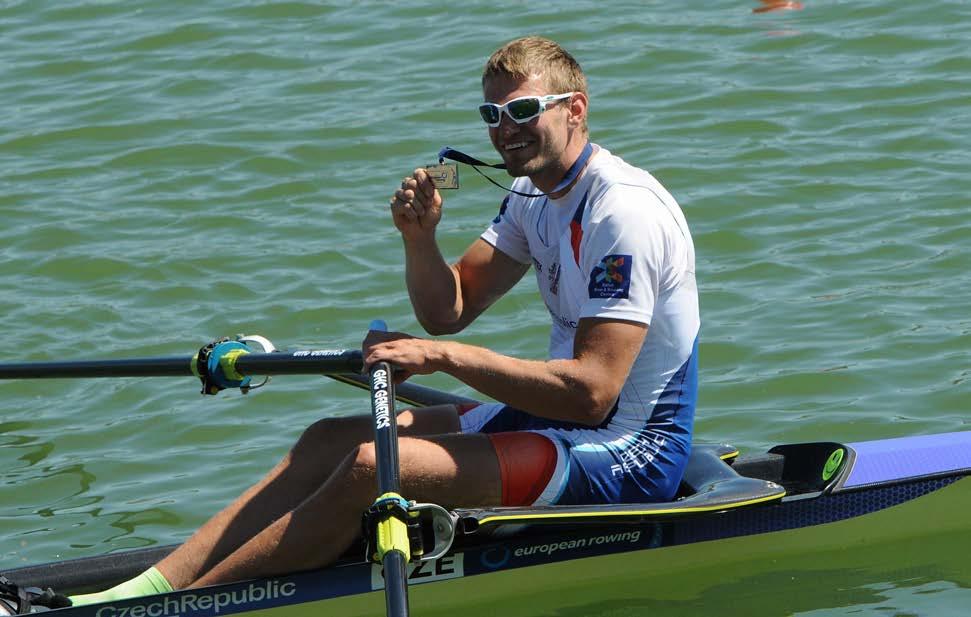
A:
(443, 568)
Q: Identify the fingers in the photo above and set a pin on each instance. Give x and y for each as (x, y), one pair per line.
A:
(425, 183)
(377, 352)
(405, 201)
(374, 338)
(415, 197)
(405, 353)
(380, 345)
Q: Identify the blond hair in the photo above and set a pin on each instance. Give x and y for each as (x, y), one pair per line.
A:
(533, 56)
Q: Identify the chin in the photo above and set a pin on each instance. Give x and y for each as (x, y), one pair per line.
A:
(514, 168)
(516, 171)
(518, 168)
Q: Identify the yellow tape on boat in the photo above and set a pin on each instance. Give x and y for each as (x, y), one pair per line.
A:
(620, 513)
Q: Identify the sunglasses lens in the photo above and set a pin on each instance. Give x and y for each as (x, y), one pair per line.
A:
(523, 109)
(490, 113)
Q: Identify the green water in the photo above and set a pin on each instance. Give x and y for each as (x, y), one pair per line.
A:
(175, 171)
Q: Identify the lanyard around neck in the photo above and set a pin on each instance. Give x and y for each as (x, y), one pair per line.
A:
(571, 174)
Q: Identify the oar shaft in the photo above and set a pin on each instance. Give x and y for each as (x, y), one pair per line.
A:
(396, 588)
(385, 428)
(301, 362)
(134, 367)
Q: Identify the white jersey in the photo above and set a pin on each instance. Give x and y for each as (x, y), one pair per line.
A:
(617, 246)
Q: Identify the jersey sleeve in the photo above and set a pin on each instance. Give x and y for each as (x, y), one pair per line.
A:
(506, 233)
(623, 255)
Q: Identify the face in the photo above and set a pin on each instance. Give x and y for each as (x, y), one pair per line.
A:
(537, 148)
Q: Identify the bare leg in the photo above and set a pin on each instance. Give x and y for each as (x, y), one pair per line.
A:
(301, 473)
(445, 469)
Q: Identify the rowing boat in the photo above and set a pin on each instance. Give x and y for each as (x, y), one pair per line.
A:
(819, 495)
(843, 501)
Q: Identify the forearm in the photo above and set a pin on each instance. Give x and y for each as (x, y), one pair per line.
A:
(433, 286)
(556, 389)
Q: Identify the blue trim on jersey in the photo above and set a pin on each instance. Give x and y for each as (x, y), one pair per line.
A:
(502, 210)
(676, 405)
(578, 214)
(652, 459)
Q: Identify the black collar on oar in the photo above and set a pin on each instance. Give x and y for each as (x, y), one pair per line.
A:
(460, 157)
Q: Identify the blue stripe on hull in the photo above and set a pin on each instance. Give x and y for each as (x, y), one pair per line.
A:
(909, 457)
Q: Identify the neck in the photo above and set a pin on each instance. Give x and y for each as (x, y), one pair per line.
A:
(558, 182)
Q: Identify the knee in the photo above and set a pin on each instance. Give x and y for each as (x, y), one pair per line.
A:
(315, 434)
(364, 460)
(322, 436)
(326, 433)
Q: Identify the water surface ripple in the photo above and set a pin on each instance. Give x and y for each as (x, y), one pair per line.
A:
(174, 171)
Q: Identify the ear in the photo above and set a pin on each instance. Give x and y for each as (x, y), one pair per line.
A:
(578, 110)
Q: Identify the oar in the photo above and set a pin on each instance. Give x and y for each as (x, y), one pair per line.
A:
(301, 362)
(343, 365)
(391, 541)
(229, 364)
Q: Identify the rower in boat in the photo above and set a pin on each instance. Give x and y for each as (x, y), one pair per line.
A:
(607, 419)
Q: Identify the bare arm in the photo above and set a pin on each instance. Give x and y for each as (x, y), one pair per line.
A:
(446, 298)
(582, 389)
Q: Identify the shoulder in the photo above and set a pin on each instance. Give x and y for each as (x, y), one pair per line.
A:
(619, 191)
(617, 183)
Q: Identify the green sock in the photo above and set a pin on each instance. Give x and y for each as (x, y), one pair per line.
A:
(149, 582)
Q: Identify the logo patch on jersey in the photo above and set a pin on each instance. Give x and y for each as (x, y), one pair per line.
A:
(611, 277)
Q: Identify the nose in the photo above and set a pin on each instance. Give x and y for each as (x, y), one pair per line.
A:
(507, 125)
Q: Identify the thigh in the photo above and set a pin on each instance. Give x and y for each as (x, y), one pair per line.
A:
(450, 470)
(433, 420)
(345, 432)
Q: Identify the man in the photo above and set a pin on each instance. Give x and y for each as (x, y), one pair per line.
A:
(607, 419)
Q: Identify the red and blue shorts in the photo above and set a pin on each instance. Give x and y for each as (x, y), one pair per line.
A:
(547, 462)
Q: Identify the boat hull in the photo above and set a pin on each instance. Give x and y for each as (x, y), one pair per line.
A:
(899, 541)
(829, 540)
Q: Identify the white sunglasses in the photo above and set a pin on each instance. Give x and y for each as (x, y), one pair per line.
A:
(521, 109)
